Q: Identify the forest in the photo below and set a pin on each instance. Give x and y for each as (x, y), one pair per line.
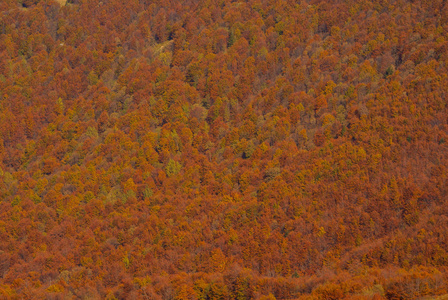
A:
(213, 149)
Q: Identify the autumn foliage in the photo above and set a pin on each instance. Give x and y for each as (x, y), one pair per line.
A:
(223, 150)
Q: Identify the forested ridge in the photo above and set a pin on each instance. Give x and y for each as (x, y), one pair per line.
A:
(211, 149)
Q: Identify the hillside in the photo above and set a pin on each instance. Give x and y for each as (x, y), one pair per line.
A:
(210, 149)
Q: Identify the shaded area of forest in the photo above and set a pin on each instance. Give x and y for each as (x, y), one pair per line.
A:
(223, 150)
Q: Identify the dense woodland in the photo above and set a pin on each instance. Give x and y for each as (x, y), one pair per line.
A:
(211, 149)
